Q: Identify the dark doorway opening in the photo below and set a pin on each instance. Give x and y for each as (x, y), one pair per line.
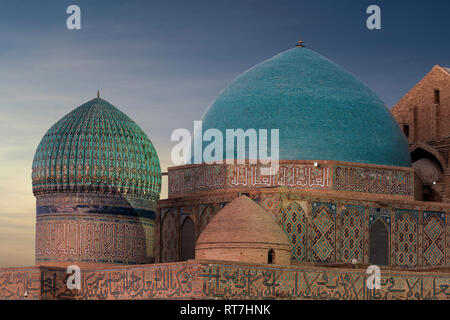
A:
(379, 244)
(188, 240)
(271, 257)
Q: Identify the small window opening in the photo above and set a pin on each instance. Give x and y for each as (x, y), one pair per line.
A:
(271, 257)
(437, 98)
(405, 128)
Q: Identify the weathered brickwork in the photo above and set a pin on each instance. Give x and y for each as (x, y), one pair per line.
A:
(94, 238)
(243, 231)
(95, 203)
(328, 175)
(197, 179)
(287, 175)
(240, 282)
(213, 280)
(424, 114)
(418, 107)
(373, 180)
(20, 283)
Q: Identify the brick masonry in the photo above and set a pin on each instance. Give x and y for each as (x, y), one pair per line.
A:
(296, 174)
(330, 213)
(199, 279)
(425, 111)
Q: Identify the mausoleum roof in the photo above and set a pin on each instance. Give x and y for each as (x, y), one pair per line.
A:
(322, 111)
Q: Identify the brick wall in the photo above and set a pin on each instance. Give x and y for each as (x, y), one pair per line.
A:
(425, 110)
(428, 119)
(200, 279)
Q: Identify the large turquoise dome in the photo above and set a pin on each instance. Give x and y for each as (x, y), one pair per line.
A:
(96, 148)
(322, 111)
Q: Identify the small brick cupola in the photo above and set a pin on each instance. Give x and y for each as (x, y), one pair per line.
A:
(243, 231)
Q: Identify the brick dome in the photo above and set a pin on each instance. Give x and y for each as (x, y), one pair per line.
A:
(243, 231)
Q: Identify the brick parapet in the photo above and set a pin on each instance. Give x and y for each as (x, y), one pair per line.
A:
(200, 279)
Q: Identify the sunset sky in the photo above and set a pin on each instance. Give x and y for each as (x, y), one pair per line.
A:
(163, 62)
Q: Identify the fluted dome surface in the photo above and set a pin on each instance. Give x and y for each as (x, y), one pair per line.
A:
(322, 111)
(96, 148)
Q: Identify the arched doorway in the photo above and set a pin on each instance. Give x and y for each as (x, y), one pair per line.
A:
(379, 243)
(188, 240)
(429, 166)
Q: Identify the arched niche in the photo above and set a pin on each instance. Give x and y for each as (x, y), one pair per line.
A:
(206, 216)
(187, 240)
(379, 243)
(169, 237)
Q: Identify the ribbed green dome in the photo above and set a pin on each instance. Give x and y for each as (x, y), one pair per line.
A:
(96, 148)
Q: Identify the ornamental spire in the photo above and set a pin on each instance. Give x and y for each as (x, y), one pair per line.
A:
(98, 93)
(299, 44)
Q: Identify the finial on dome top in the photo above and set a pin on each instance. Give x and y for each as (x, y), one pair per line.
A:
(299, 44)
(98, 93)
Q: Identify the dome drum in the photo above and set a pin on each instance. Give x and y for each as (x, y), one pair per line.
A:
(245, 252)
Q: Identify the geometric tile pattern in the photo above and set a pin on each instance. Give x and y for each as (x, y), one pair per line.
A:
(348, 178)
(323, 232)
(271, 203)
(93, 238)
(294, 224)
(351, 243)
(221, 281)
(406, 238)
(433, 238)
(169, 237)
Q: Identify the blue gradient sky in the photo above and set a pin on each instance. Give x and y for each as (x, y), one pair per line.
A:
(162, 63)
